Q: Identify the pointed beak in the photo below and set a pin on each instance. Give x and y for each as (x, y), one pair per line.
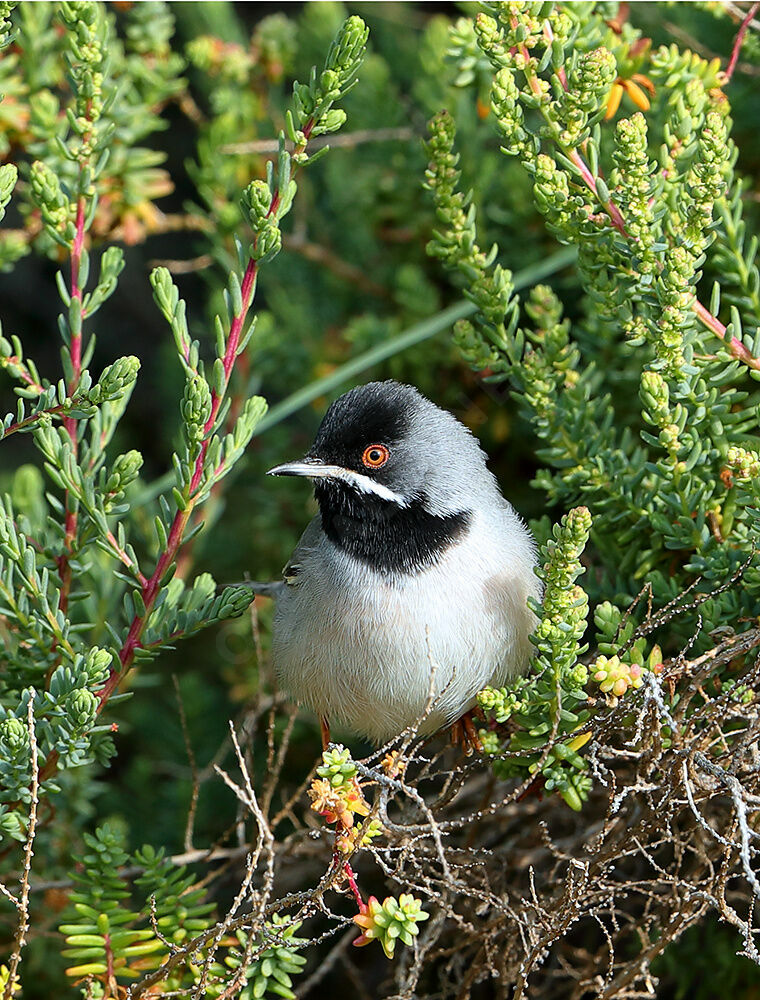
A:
(314, 469)
(310, 467)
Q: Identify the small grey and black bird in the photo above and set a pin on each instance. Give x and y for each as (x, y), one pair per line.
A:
(412, 580)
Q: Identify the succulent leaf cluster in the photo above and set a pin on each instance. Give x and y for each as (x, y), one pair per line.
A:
(390, 921)
(652, 203)
(549, 706)
(277, 961)
(337, 796)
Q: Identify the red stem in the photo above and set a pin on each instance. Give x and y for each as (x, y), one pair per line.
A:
(616, 216)
(70, 423)
(350, 878)
(735, 346)
(122, 555)
(738, 43)
(152, 585)
(27, 421)
(176, 532)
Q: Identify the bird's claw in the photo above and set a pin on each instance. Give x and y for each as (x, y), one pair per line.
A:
(464, 734)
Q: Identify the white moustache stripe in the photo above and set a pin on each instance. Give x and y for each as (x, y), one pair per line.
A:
(363, 483)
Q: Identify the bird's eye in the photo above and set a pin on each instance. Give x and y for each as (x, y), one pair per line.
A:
(375, 456)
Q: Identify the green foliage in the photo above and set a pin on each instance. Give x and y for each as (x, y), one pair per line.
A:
(88, 145)
(276, 962)
(107, 939)
(337, 767)
(643, 237)
(705, 957)
(664, 508)
(79, 608)
(178, 906)
(100, 931)
(636, 373)
(547, 706)
(390, 921)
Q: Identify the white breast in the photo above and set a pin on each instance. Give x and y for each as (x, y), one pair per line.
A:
(367, 651)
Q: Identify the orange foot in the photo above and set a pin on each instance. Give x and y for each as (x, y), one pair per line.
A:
(464, 733)
(324, 726)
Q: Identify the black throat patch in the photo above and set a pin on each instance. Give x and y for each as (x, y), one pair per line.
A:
(384, 536)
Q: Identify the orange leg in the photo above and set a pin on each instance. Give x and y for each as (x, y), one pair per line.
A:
(464, 733)
(324, 726)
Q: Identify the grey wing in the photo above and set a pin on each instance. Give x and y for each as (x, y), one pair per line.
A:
(307, 543)
(290, 573)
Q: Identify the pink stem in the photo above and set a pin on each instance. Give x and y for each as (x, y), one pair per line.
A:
(549, 36)
(738, 42)
(24, 374)
(351, 879)
(27, 421)
(70, 423)
(151, 586)
(735, 346)
(179, 524)
(616, 216)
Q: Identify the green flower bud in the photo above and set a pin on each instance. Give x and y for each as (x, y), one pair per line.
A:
(82, 708)
(589, 82)
(329, 81)
(14, 734)
(333, 121)
(669, 436)
(579, 675)
(655, 395)
(8, 178)
(506, 107)
(595, 74)
(490, 742)
(347, 50)
(236, 600)
(500, 704)
(115, 380)
(268, 242)
(257, 202)
(196, 407)
(124, 471)
(97, 664)
(337, 766)
(54, 206)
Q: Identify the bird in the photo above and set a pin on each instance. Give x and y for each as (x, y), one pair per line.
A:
(408, 591)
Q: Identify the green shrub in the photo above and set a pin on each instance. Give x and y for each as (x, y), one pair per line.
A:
(625, 393)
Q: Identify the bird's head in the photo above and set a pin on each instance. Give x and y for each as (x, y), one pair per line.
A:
(384, 445)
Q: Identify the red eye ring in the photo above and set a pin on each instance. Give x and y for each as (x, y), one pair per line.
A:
(375, 456)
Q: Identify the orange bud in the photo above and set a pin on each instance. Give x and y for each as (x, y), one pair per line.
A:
(637, 95)
(613, 101)
(645, 82)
